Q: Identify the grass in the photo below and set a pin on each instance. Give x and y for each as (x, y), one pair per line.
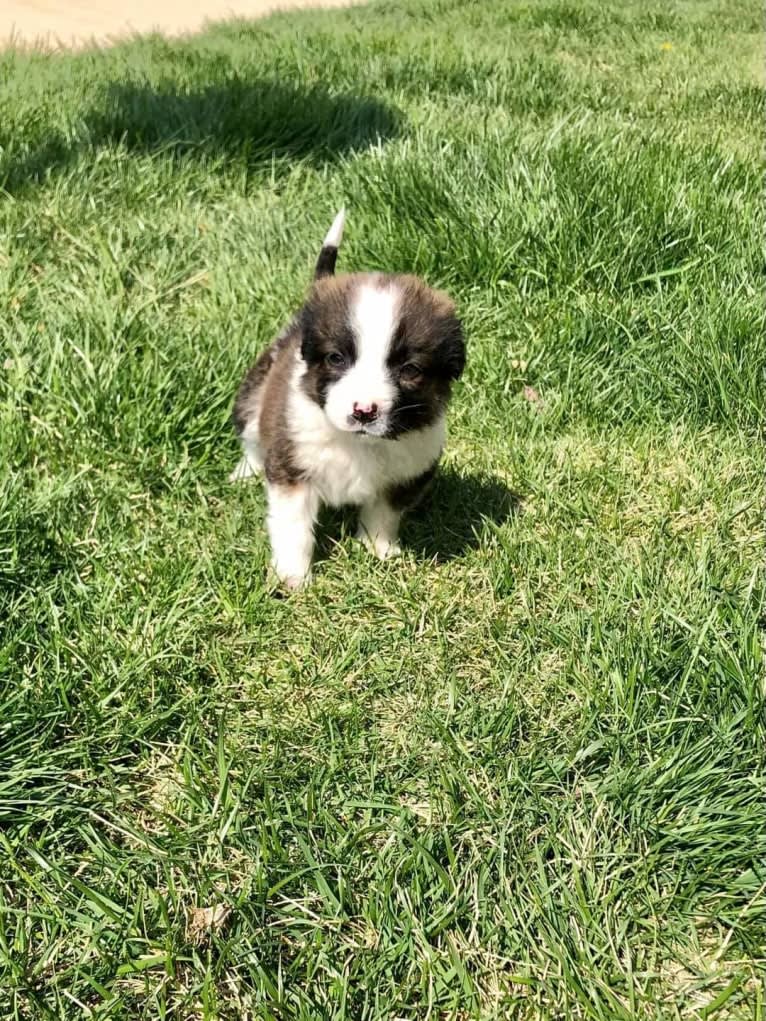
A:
(518, 774)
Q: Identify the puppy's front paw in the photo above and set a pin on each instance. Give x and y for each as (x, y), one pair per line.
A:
(379, 545)
(289, 579)
(293, 582)
(385, 550)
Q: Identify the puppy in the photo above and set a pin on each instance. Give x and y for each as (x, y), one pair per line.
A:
(348, 406)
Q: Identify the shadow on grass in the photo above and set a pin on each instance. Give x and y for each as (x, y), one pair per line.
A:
(449, 521)
(255, 124)
(444, 526)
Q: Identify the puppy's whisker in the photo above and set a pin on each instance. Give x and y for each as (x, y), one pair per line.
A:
(409, 407)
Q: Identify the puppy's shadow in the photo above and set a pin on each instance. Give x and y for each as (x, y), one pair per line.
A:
(444, 526)
(450, 520)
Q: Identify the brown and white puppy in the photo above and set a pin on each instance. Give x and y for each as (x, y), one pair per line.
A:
(348, 406)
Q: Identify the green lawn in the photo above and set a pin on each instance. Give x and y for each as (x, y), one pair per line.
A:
(518, 773)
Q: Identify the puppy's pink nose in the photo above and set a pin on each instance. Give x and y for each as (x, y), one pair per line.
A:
(364, 412)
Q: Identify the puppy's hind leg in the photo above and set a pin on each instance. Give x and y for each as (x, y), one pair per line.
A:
(251, 462)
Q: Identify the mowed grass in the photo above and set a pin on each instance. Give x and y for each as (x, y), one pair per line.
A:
(520, 772)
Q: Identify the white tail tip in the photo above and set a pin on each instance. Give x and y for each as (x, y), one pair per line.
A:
(335, 233)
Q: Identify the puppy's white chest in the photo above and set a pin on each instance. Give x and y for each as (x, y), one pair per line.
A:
(349, 468)
(345, 475)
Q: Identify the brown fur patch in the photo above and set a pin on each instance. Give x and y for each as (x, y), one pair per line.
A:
(325, 330)
(249, 394)
(429, 328)
(430, 338)
(263, 393)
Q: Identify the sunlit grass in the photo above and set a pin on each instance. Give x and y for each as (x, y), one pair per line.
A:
(517, 774)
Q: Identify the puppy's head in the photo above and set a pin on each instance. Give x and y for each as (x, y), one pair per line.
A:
(381, 352)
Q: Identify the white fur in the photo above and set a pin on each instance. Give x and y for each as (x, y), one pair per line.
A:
(373, 318)
(335, 233)
(291, 517)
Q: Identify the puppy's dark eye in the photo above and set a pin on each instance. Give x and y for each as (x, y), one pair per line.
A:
(335, 359)
(410, 373)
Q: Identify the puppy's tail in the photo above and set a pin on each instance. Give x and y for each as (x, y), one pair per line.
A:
(328, 255)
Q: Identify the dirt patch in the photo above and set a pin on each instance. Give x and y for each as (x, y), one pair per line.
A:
(59, 24)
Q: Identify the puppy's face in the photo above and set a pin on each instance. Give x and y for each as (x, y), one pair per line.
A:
(381, 352)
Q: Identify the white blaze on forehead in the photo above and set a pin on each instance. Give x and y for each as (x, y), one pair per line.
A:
(373, 316)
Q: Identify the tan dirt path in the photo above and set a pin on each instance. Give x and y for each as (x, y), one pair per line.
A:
(55, 24)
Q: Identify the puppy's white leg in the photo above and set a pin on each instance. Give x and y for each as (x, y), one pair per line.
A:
(292, 513)
(249, 464)
(379, 529)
